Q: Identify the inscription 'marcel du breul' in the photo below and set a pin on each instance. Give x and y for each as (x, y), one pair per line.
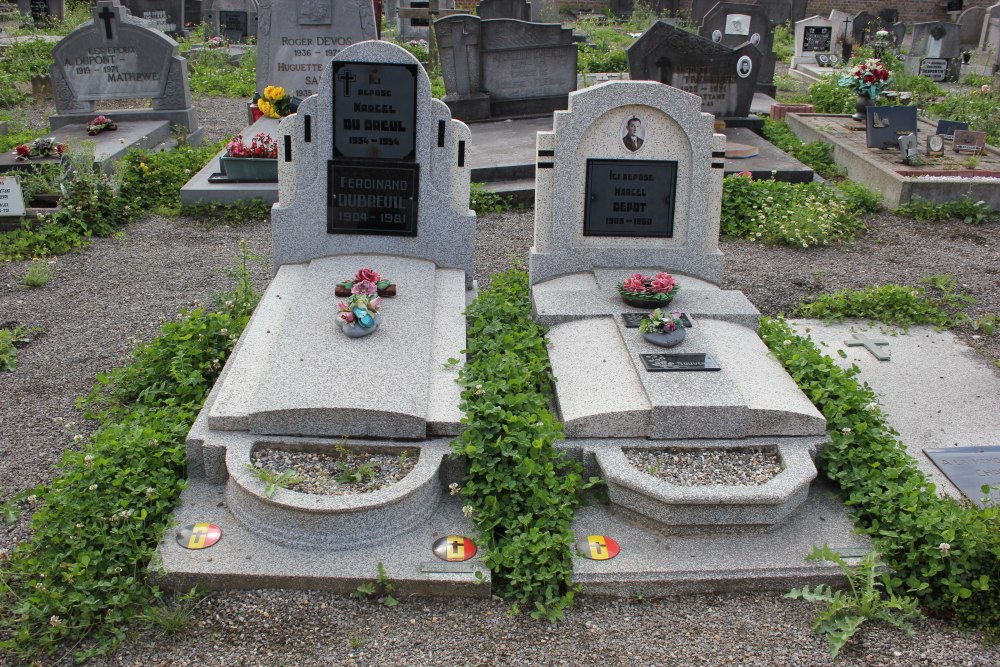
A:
(373, 181)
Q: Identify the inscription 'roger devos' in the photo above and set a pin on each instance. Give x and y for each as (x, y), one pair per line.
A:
(630, 198)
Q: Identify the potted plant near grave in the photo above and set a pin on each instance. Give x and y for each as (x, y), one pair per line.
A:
(665, 330)
(867, 79)
(648, 291)
(274, 102)
(256, 161)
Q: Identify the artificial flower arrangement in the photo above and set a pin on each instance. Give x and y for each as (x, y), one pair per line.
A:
(216, 42)
(366, 281)
(39, 148)
(101, 124)
(658, 322)
(643, 290)
(867, 78)
(274, 102)
(359, 314)
(261, 146)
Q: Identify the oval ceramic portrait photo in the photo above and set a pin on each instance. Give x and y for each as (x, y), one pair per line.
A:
(633, 133)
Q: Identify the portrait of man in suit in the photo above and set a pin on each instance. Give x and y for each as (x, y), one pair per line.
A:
(634, 134)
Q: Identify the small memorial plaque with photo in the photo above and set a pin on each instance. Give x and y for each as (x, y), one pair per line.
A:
(968, 141)
(935, 145)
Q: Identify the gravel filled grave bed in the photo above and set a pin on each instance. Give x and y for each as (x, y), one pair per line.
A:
(749, 466)
(346, 472)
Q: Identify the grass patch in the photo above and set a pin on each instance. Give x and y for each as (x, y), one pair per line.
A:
(39, 273)
(96, 526)
(968, 211)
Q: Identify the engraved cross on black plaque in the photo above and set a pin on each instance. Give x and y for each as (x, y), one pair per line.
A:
(347, 77)
(106, 15)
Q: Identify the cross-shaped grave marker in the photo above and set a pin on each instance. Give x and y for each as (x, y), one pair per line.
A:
(106, 15)
(870, 344)
(432, 12)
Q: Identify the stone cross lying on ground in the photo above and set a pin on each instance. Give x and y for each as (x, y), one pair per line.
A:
(870, 344)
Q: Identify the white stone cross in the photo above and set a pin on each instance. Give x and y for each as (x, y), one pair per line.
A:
(870, 344)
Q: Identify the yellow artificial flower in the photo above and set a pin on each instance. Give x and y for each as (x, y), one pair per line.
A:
(276, 95)
(267, 109)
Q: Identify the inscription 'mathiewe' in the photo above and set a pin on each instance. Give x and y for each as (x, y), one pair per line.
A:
(630, 198)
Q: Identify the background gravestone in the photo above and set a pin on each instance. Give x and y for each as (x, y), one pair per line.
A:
(970, 25)
(505, 9)
(192, 13)
(936, 48)
(296, 39)
(524, 68)
(724, 78)
(165, 15)
(41, 10)
(236, 20)
(116, 57)
(372, 124)
(992, 14)
(733, 24)
(865, 25)
(814, 35)
(624, 8)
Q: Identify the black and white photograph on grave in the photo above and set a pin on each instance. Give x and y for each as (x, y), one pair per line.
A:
(738, 24)
(744, 66)
(948, 127)
(633, 133)
(886, 124)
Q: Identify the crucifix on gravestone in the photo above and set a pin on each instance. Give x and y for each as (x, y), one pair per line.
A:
(432, 12)
(869, 344)
(107, 15)
(347, 78)
(847, 26)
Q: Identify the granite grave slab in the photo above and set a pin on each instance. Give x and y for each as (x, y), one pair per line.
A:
(970, 469)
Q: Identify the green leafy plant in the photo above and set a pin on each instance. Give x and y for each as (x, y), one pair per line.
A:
(274, 480)
(817, 155)
(859, 198)
(846, 610)
(945, 553)
(775, 212)
(978, 108)
(39, 273)
(482, 200)
(151, 180)
(521, 491)
(977, 80)
(171, 615)
(828, 96)
(935, 302)
(214, 73)
(96, 525)
(380, 590)
(42, 178)
(784, 42)
(966, 210)
(12, 337)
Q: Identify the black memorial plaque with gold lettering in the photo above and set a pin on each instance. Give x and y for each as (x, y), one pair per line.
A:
(374, 111)
(372, 198)
(630, 198)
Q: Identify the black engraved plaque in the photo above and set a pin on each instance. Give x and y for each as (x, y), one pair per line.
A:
(632, 320)
(701, 361)
(969, 468)
(630, 198)
(374, 111)
(817, 38)
(233, 24)
(367, 198)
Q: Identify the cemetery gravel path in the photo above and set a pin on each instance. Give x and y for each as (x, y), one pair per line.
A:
(120, 289)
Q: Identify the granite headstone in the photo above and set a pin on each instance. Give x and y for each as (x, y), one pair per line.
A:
(505, 9)
(522, 68)
(992, 14)
(723, 77)
(43, 10)
(114, 57)
(295, 40)
(814, 35)
(236, 20)
(733, 24)
(165, 15)
(373, 164)
(935, 51)
(970, 26)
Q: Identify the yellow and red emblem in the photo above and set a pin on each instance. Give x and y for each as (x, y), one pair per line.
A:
(199, 535)
(454, 548)
(600, 547)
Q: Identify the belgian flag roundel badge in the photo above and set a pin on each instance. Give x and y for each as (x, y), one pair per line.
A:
(454, 548)
(199, 535)
(598, 547)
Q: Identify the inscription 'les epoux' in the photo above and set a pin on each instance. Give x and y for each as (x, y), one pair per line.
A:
(108, 59)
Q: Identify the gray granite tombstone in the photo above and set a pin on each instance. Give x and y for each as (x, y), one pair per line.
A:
(724, 78)
(992, 13)
(114, 57)
(43, 10)
(544, 11)
(505, 9)
(382, 163)
(165, 15)
(524, 68)
(864, 27)
(970, 25)
(935, 51)
(236, 20)
(192, 13)
(296, 39)
(733, 24)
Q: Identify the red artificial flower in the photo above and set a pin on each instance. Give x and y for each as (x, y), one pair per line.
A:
(367, 274)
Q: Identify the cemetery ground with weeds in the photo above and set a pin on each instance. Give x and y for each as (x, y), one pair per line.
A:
(88, 316)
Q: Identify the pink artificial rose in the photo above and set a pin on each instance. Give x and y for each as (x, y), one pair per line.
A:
(375, 304)
(365, 287)
(347, 317)
(342, 305)
(367, 274)
(745, 174)
(635, 284)
(662, 283)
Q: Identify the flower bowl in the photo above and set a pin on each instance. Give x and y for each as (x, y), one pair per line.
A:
(648, 291)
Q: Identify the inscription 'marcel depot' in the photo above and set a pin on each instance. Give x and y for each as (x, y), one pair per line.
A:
(630, 198)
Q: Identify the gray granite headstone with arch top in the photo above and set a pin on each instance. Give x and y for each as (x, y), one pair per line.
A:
(115, 57)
